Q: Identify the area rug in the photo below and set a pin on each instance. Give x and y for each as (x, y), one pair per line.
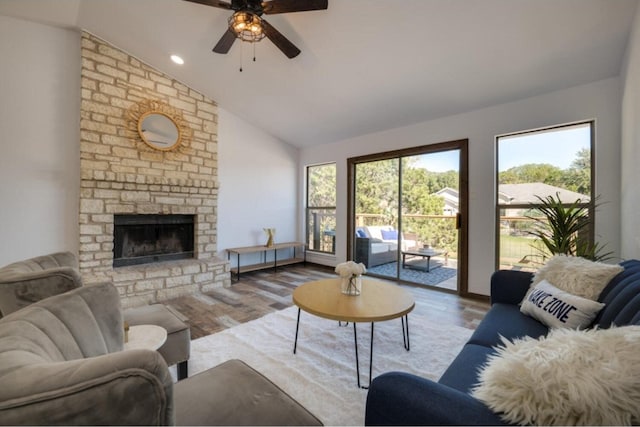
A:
(322, 375)
(433, 277)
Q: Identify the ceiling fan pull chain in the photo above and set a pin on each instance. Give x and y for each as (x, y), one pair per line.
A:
(254, 52)
(241, 54)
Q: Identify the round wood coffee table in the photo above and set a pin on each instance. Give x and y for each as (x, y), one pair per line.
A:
(378, 301)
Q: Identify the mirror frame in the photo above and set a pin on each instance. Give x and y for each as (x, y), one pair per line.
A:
(139, 111)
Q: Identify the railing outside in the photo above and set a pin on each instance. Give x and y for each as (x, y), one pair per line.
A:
(438, 231)
(321, 226)
(518, 249)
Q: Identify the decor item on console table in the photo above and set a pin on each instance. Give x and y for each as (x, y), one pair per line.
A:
(271, 233)
(264, 250)
(397, 398)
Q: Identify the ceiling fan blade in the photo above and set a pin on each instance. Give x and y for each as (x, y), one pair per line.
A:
(279, 40)
(286, 6)
(214, 3)
(225, 42)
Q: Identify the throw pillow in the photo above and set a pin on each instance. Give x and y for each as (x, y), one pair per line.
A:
(576, 275)
(360, 233)
(570, 377)
(557, 308)
(389, 234)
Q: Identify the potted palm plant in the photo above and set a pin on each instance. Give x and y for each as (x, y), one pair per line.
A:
(564, 229)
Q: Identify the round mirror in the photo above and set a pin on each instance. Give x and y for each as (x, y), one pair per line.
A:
(159, 131)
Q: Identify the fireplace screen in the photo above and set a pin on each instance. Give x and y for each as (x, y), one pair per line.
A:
(141, 239)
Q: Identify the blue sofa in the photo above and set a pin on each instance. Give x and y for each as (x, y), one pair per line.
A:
(397, 398)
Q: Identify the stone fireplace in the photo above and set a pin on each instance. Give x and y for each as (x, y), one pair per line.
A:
(125, 180)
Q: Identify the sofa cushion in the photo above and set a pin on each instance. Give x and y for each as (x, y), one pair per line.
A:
(508, 321)
(377, 248)
(576, 275)
(569, 377)
(559, 309)
(375, 231)
(462, 374)
(389, 234)
(622, 304)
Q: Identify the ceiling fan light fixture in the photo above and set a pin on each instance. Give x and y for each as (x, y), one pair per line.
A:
(247, 26)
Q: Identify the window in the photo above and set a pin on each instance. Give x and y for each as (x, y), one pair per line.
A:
(321, 208)
(553, 162)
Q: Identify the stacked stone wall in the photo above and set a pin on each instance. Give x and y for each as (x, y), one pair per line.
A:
(120, 174)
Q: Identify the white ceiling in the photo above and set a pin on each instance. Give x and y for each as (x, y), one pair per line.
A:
(366, 65)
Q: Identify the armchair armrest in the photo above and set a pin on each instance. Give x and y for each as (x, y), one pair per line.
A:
(397, 398)
(123, 388)
(509, 286)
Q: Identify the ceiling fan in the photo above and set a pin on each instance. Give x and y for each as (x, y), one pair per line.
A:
(248, 25)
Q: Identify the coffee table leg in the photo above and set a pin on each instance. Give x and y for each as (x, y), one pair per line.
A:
(295, 343)
(371, 356)
(355, 340)
(405, 332)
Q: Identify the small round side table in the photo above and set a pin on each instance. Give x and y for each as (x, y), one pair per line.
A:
(150, 337)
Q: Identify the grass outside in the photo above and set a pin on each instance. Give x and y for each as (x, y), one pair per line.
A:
(519, 252)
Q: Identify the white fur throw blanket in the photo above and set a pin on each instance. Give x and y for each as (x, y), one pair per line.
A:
(569, 377)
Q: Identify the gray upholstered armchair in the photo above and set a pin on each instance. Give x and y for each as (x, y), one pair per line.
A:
(25, 282)
(61, 363)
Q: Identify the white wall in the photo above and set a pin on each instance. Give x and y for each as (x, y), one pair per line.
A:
(630, 196)
(600, 100)
(39, 139)
(258, 186)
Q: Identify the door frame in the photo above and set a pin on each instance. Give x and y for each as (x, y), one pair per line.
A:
(463, 218)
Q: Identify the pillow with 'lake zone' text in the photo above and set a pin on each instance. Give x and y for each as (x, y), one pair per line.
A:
(559, 309)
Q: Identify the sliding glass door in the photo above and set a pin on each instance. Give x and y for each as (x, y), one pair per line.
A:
(406, 209)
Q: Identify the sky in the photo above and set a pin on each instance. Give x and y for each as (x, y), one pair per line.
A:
(440, 162)
(557, 147)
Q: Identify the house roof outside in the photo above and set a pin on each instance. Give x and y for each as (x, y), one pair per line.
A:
(520, 194)
(450, 196)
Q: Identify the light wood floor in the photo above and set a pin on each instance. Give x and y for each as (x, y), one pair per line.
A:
(263, 292)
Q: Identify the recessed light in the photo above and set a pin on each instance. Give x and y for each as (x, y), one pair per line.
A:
(177, 59)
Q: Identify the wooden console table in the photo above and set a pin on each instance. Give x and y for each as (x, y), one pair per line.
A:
(264, 249)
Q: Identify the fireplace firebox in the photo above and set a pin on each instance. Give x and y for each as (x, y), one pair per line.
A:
(142, 239)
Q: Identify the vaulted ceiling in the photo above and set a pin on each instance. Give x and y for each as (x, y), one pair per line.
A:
(366, 65)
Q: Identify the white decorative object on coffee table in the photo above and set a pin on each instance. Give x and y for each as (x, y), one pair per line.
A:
(150, 337)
